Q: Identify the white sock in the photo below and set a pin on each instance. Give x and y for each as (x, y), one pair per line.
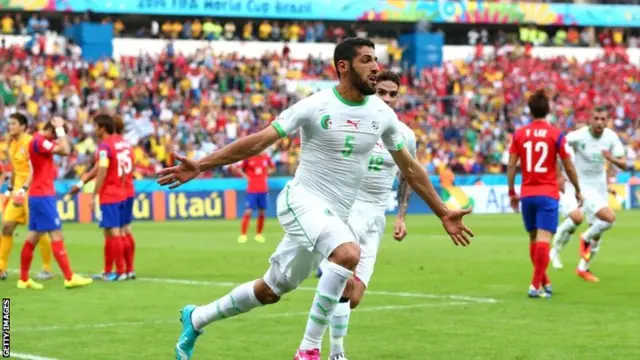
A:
(339, 327)
(563, 235)
(596, 229)
(583, 265)
(239, 300)
(330, 288)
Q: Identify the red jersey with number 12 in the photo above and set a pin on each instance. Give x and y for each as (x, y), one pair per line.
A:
(112, 153)
(538, 146)
(257, 170)
(44, 168)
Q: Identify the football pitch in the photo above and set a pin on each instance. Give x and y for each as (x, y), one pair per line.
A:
(428, 299)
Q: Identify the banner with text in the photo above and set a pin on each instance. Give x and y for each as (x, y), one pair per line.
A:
(440, 11)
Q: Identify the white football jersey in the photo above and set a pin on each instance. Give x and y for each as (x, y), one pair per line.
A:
(337, 138)
(381, 173)
(589, 161)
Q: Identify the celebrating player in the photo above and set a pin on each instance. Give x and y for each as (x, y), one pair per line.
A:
(367, 218)
(16, 206)
(339, 129)
(593, 145)
(113, 157)
(256, 170)
(537, 146)
(43, 214)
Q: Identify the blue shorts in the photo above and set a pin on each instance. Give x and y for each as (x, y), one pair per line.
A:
(127, 212)
(111, 215)
(257, 201)
(540, 212)
(43, 214)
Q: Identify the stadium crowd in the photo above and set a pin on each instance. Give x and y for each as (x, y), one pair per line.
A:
(462, 112)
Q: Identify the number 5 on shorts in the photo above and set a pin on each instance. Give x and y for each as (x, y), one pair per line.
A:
(348, 146)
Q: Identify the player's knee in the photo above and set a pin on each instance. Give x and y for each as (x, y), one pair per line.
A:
(606, 215)
(264, 293)
(346, 255)
(248, 211)
(577, 217)
(8, 228)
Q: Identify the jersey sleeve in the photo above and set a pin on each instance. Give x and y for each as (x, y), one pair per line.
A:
(411, 142)
(42, 145)
(617, 149)
(102, 156)
(393, 137)
(295, 117)
(573, 138)
(563, 148)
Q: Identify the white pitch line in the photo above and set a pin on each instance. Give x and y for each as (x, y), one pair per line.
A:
(267, 315)
(305, 288)
(28, 356)
(453, 297)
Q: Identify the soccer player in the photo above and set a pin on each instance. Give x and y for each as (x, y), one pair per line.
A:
(367, 217)
(339, 128)
(256, 170)
(571, 212)
(43, 214)
(16, 210)
(113, 155)
(538, 146)
(593, 146)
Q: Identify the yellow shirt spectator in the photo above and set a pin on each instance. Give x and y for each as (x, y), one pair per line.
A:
(264, 31)
(167, 28)
(176, 29)
(118, 27)
(32, 107)
(7, 25)
(294, 32)
(196, 29)
(247, 31)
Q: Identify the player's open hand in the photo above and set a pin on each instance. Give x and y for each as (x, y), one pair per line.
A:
(579, 199)
(455, 227)
(399, 230)
(514, 201)
(177, 175)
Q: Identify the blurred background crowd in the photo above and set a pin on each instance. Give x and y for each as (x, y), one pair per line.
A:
(462, 111)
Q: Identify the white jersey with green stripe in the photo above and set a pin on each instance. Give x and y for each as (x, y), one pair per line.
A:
(589, 161)
(337, 139)
(381, 173)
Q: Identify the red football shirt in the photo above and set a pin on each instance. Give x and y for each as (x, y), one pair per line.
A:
(112, 152)
(44, 168)
(127, 166)
(538, 146)
(256, 168)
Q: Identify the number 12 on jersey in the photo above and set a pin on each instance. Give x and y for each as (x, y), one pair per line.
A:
(536, 151)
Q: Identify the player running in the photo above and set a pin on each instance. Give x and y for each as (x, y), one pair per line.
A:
(113, 155)
(367, 218)
(43, 214)
(594, 145)
(537, 146)
(339, 129)
(16, 209)
(256, 170)
(571, 212)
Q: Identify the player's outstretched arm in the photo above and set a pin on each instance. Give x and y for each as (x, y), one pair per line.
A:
(238, 150)
(418, 179)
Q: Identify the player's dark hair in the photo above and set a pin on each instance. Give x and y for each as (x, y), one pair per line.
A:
(105, 121)
(119, 124)
(601, 108)
(539, 104)
(20, 118)
(388, 75)
(348, 48)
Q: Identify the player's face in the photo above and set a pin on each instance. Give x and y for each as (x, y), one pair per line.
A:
(598, 122)
(14, 127)
(388, 91)
(363, 70)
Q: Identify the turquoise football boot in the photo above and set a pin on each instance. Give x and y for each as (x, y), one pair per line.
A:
(189, 335)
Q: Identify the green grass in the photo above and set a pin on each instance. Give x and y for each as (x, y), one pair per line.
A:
(140, 319)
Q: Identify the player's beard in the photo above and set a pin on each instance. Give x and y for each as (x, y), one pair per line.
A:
(362, 85)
